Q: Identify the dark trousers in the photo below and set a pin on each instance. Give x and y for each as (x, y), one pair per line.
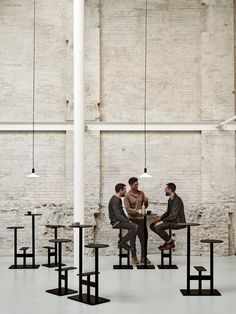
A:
(140, 234)
(132, 231)
(160, 230)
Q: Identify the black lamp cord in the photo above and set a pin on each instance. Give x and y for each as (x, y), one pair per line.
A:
(145, 92)
(33, 83)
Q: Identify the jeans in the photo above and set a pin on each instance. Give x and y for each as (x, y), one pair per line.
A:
(140, 234)
(160, 230)
(132, 231)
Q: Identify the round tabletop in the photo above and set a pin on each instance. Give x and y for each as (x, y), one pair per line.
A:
(96, 246)
(15, 227)
(32, 214)
(54, 226)
(187, 224)
(60, 240)
(211, 241)
(81, 226)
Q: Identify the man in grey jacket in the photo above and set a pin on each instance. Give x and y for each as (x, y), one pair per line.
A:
(118, 218)
(173, 215)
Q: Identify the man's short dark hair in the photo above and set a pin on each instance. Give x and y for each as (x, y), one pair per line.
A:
(171, 186)
(132, 180)
(119, 186)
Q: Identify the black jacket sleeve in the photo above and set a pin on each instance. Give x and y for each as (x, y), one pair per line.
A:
(175, 208)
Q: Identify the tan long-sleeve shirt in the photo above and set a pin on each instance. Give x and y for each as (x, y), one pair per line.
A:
(134, 202)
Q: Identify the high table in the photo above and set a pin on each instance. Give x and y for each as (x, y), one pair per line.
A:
(15, 228)
(188, 225)
(146, 266)
(33, 240)
(81, 228)
(55, 253)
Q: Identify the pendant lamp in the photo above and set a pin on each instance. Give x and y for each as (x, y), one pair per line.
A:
(33, 174)
(145, 173)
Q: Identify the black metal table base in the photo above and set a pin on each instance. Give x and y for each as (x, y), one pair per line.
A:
(52, 265)
(145, 267)
(204, 292)
(92, 300)
(24, 267)
(61, 291)
(167, 266)
(122, 267)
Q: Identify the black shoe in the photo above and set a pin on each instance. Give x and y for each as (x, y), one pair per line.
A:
(124, 246)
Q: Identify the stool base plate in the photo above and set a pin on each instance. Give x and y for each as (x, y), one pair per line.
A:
(24, 267)
(92, 301)
(61, 292)
(52, 265)
(146, 267)
(195, 292)
(167, 266)
(123, 267)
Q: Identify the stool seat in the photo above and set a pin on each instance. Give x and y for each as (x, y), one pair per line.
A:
(66, 268)
(200, 268)
(55, 226)
(90, 273)
(60, 240)
(96, 246)
(187, 224)
(48, 247)
(15, 227)
(81, 226)
(211, 241)
(24, 248)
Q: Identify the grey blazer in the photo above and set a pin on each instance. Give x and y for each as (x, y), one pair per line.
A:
(175, 211)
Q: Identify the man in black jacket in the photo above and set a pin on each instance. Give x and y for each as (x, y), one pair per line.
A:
(174, 214)
(118, 218)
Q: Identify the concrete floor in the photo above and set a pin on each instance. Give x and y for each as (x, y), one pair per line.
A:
(130, 291)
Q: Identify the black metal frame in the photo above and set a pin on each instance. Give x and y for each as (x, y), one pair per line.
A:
(145, 266)
(167, 255)
(123, 256)
(60, 291)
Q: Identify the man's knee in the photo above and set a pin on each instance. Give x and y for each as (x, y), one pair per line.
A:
(135, 227)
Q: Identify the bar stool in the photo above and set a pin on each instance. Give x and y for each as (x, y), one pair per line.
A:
(62, 277)
(52, 250)
(123, 256)
(88, 298)
(167, 255)
(210, 291)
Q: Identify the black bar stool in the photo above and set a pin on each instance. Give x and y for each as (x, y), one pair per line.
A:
(88, 298)
(33, 238)
(61, 277)
(123, 256)
(52, 251)
(167, 255)
(210, 291)
(15, 228)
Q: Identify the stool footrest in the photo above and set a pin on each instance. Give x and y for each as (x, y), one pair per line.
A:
(24, 248)
(48, 247)
(123, 255)
(88, 283)
(66, 268)
(200, 268)
(88, 274)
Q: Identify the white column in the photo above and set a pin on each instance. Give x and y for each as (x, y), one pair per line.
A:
(78, 120)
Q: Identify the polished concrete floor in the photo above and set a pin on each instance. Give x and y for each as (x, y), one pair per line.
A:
(131, 291)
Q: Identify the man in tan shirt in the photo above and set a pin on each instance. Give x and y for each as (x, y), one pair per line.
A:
(134, 201)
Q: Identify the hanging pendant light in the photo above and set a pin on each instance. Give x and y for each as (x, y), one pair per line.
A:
(145, 173)
(33, 174)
